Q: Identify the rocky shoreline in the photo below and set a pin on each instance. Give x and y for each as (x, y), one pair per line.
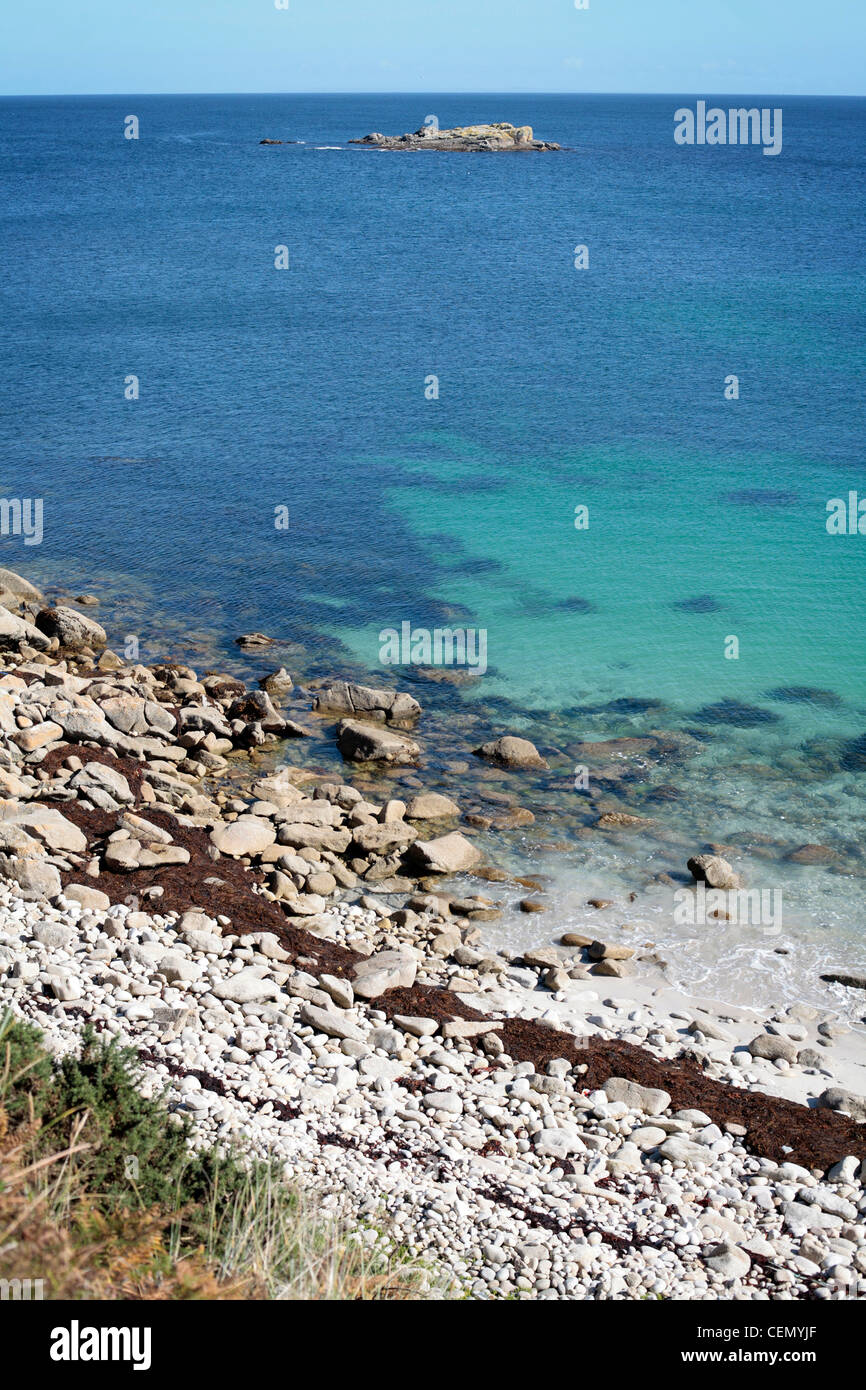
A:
(308, 971)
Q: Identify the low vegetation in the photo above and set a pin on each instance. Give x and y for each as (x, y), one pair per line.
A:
(103, 1197)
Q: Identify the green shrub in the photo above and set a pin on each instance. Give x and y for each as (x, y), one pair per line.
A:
(25, 1070)
(241, 1217)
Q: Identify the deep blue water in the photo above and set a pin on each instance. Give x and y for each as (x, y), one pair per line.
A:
(259, 387)
(305, 387)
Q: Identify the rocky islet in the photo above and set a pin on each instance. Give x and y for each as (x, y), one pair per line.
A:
(496, 138)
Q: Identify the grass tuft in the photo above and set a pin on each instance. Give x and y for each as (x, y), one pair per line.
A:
(102, 1197)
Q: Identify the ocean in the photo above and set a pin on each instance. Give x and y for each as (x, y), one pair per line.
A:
(431, 387)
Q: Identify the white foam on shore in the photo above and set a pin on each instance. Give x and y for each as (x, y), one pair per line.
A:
(758, 966)
(652, 1000)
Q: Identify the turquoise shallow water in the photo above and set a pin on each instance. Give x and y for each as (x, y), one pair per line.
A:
(682, 551)
(557, 387)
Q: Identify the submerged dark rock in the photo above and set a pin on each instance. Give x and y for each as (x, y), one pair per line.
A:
(813, 854)
(853, 758)
(632, 704)
(480, 565)
(804, 695)
(576, 604)
(625, 704)
(659, 795)
(446, 675)
(634, 753)
(734, 712)
(701, 603)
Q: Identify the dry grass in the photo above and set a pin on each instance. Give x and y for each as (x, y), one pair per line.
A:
(227, 1232)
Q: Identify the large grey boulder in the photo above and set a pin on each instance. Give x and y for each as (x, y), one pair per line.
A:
(644, 1098)
(728, 1260)
(175, 967)
(122, 856)
(773, 1048)
(203, 719)
(513, 753)
(558, 1143)
(37, 736)
(278, 684)
(18, 588)
(469, 1027)
(714, 871)
(322, 812)
(128, 713)
(16, 632)
(800, 1219)
(431, 806)
(382, 971)
(256, 706)
(389, 706)
(52, 828)
(682, 1151)
(86, 726)
(380, 839)
(54, 936)
(248, 835)
(837, 1098)
(449, 854)
(15, 840)
(87, 897)
(362, 743)
(97, 775)
(331, 1023)
(246, 987)
(447, 1102)
(304, 836)
(72, 629)
(35, 877)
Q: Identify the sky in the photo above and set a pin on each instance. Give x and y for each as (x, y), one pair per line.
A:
(783, 47)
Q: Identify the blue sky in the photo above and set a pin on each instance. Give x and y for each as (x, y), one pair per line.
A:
(790, 47)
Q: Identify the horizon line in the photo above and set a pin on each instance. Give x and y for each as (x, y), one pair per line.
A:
(430, 91)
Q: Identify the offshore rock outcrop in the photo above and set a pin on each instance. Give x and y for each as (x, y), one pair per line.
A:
(469, 139)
